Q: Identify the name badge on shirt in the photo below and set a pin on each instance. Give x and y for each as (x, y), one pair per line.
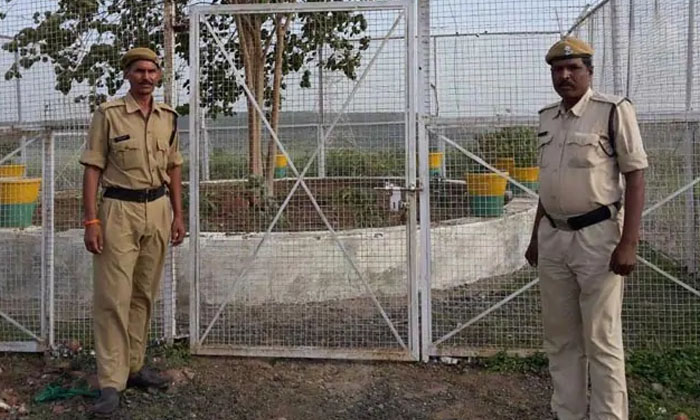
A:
(121, 138)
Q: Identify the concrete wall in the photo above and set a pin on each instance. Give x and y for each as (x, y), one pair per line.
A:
(291, 267)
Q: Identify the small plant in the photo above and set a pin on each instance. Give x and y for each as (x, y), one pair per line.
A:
(352, 162)
(361, 204)
(526, 148)
(507, 363)
(518, 142)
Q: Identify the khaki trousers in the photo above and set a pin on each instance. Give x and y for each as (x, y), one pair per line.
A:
(126, 279)
(581, 309)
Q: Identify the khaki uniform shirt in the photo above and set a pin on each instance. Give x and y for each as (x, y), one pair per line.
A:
(133, 152)
(577, 172)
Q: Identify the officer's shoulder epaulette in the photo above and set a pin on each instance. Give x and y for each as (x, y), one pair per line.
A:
(167, 107)
(112, 104)
(606, 98)
(550, 106)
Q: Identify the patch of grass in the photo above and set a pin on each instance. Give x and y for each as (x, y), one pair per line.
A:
(176, 356)
(361, 203)
(507, 363)
(664, 383)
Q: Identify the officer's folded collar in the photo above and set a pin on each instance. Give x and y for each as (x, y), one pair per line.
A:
(132, 106)
(580, 106)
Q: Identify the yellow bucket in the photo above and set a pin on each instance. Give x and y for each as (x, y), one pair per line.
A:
(12, 171)
(486, 184)
(505, 164)
(19, 190)
(280, 161)
(435, 159)
(527, 174)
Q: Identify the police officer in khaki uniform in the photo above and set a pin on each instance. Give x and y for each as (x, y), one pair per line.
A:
(582, 241)
(132, 150)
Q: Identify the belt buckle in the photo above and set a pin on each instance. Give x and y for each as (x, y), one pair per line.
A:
(562, 224)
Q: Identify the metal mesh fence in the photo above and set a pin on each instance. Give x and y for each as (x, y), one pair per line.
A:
(485, 298)
(311, 264)
(651, 57)
(22, 290)
(342, 281)
(58, 61)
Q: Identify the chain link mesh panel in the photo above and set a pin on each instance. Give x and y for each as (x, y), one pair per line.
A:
(649, 54)
(312, 265)
(488, 79)
(59, 60)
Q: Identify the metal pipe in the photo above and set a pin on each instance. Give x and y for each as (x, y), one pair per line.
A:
(414, 104)
(194, 178)
(630, 43)
(322, 118)
(424, 250)
(169, 53)
(47, 239)
(616, 70)
(170, 279)
(584, 17)
(690, 222)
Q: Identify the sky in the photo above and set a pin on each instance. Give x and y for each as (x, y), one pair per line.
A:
(487, 58)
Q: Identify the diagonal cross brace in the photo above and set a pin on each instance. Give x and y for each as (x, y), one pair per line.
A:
(239, 77)
(645, 213)
(20, 326)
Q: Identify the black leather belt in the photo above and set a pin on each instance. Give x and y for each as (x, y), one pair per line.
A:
(139, 196)
(579, 222)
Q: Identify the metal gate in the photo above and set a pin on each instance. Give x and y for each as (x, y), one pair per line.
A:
(303, 265)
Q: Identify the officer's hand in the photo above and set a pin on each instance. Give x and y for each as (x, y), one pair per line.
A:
(623, 259)
(531, 253)
(93, 238)
(177, 231)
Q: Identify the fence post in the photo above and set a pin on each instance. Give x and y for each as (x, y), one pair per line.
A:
(195, 131)
(170, 275)
(322, 119)
(630, 50)
(206, 171)
(690, 224)
(424, 248)
(617, 71)
(47, 240)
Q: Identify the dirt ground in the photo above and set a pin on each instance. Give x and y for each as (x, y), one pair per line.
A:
(236, 388)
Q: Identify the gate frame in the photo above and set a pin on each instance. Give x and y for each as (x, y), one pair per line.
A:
(409, 350)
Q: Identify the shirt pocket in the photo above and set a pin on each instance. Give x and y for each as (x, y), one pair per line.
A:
(128, 154)
(585, 150)
(544, 151)
(162, 151)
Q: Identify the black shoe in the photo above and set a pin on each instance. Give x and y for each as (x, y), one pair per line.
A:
(148, 378)
(107, 404)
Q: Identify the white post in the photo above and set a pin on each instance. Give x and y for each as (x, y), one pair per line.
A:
(617, 70)
(169, 53)
(170, 277)
(322, 119)
(206, 172)
(630, 49)
(690, 226)
(424, 252)
(195, 131)
(413, 104)
(47, 240)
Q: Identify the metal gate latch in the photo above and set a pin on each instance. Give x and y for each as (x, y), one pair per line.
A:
(396, 203)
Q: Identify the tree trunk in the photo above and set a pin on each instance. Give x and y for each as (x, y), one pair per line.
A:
(247, 32)
(280, 33)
